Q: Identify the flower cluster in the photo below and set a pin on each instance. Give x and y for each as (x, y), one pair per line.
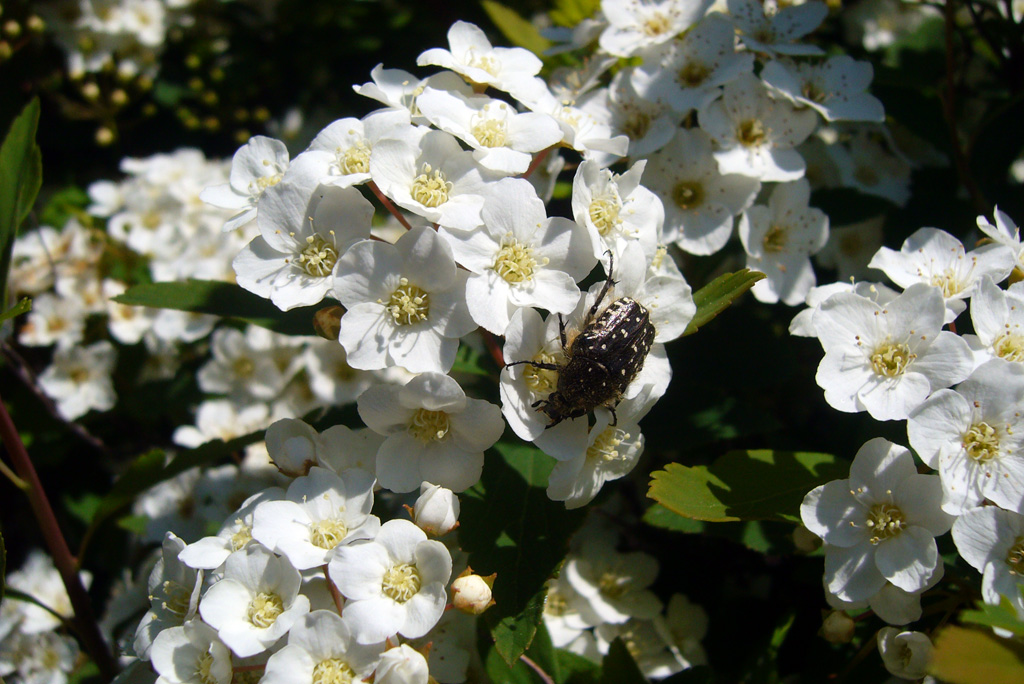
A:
(888, 353)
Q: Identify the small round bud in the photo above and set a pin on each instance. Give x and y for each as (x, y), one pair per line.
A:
(805, 541)
(5, 49)
(104, 136)
(119, 98)
(436, 511)
(90, 91)
(472, 593)
(837, 628)
(12, 29)
(402, 665)
(209, 97)
(327, 321)
(193, 61)
(35, 24)
(291, 445)
(261, 114)
(144, 83)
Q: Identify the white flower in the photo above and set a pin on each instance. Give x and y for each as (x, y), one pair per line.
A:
(634, 25)
(649, 645)
(37, 577)
(991, 540)
(762, 30)
(502, 139)
(394, 584)
(1005, 232)
(256, 603)
(887, 358)
(616, 208)
(303, 231)
(471, 55)
(835, 87)
(321, 649)
(256, 166)
(241, 367)
(520, 257)
(340, 154)
(191, 654)
(78, 379)
(802, 324)
(998, 318)
(612, 452)
(173, 595)
(687, 623)
(779, 240)
(127, 324)
(221, 419)
(209, 553)
(46, 658)
(405, 303)
(892, 604)
(433, 432)
(614, 585)
(699, 201)
(973, 436)
(936, 258)
(585, 122)
(754, 134)
(402, 665)
(878, 525)
(399, 89)
(433, 178)
(648, 123)
(905, 654)
(320, 511)
(53, 320)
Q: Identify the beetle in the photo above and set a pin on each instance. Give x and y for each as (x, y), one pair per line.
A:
(602, 360)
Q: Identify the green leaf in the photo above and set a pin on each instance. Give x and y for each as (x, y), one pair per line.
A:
(570, 13)
(62, 205)
(83, 508)
(618, 666)
(24, 306)
(470, 360)
(716, 296)
(659, 516)
(511, 527)
(745, 485)
(21, 176)
(1003, 616)
(970, 656)
(515, 28)
(221, 299)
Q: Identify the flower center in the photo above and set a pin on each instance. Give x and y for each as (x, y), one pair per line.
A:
(401, 582)
(429, 426)
(491, 132)
(655, 25)
(408, 304)
(486, 62)
(751, 133)
(327, 533)
(1015, 557)
(555, 604)
(79, 375)
(333, 671)
(636, 125)
(177, 597)
(981, 442)
(203, 669)
(1009, 346)
(515, 262)
(258, 186)
(693, 74)
(318, 256)
(604, 213)
(891, 359)
(949, 282)
(240, 538)
(775, 239)
(264, 609)
(541, 380)
(659, 256)
(613, 585)
(813, 92)
(688, 195)
(606, 446)
(431, 188)
(355, 159)
(885, 521)
(243, 367)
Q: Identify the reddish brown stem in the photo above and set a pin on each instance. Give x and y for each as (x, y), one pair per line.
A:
(537, 161)
(493, 348)
(544, 676)
(84, 621)
(388, 205)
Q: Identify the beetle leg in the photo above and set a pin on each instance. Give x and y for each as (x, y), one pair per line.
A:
(535, 364)
(604, 290)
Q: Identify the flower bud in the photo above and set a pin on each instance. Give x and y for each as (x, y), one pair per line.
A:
(327, 322)
(472, 593)
(436, 511)
(837, 628)
(904, 654)
(402, 665)
(291, 444)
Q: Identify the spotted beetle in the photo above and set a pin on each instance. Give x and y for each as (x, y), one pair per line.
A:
(602, 360)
